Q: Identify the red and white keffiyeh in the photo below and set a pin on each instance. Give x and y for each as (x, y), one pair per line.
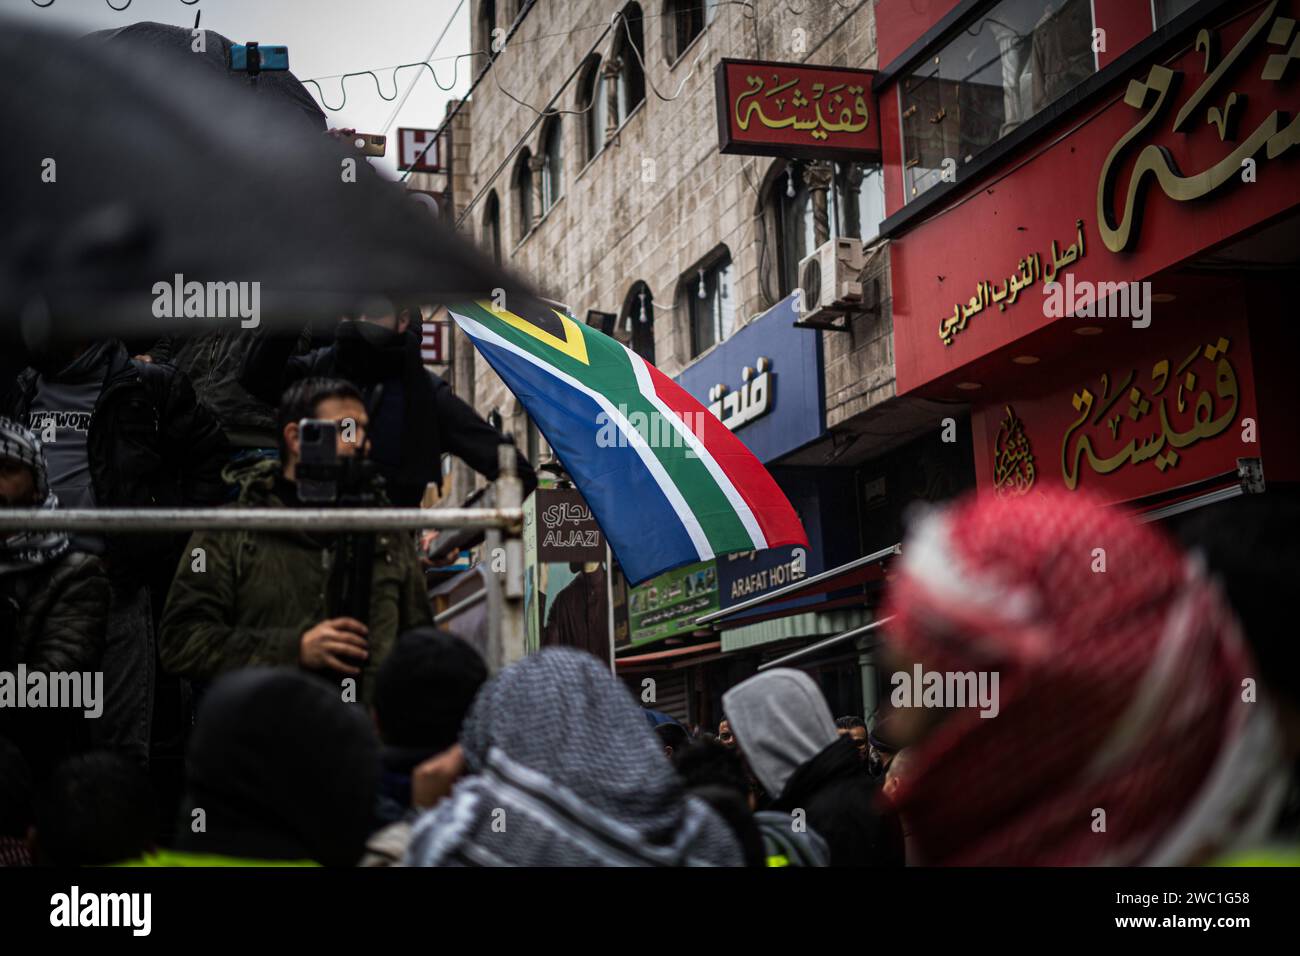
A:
(1121, 690)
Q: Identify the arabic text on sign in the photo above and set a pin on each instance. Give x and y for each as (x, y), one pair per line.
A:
(1013, 460)
(1029, 271)
(1156, 161)
(837, 109)
(752, 400)
(1138, 404)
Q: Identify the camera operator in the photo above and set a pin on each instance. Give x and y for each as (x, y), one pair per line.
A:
(414, 414)
(248, 598)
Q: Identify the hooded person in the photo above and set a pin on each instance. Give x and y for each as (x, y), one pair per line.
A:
(785, 731)
(563, 771)
(708, 767)
(1118, 690)
(424, 690)
(53, 606)
(283, 773)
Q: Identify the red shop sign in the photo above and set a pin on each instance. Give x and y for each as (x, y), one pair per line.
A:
(1179, 411)
(796, 111)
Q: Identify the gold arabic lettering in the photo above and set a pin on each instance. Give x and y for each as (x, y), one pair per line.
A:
(1161, 446)
(1013, 459)
(1005, 293)
(1157, 162)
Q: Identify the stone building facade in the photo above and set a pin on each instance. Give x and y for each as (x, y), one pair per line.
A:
(598, 209)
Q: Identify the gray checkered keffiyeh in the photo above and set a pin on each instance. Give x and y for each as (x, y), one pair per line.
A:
(25, 550)
(565, 772)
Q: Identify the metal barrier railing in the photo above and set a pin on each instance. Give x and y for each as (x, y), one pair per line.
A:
(502, 522)
(154, 520)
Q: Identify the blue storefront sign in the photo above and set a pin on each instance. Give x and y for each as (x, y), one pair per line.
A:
(765, 383)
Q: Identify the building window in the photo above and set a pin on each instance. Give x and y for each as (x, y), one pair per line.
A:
(631, 54)
(487, 18)
(684, 20)
(854, 209)
(523, 185)
(791, 200)
(553, 170)
(492, 227)
(711, 301)
(857, 202)
(1166, 10)
(591, 100)
(636, 324)
(993, 76)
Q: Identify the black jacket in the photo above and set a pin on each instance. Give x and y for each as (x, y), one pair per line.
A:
(445, 423)
(841, 803)
(151, 445)
(53, 620)
(212, 362)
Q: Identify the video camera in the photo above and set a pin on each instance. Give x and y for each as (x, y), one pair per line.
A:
(326, 478)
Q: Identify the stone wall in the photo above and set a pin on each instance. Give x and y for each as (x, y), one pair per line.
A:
(658, 198)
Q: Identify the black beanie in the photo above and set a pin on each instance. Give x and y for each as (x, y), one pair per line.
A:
(282, 769)
(424, 689)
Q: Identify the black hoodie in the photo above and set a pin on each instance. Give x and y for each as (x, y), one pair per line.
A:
(843, 805)
(282, 770)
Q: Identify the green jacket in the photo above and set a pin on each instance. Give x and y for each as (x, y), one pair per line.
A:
(247, 599)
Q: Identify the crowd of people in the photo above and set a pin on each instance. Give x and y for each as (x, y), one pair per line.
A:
(1147, 713)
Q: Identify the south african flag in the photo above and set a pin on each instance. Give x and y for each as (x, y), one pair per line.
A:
(667, 482)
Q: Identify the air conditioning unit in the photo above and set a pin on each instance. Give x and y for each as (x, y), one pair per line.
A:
(830, 282)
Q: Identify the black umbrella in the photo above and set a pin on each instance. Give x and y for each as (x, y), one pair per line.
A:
(128, 167)
(280, 87)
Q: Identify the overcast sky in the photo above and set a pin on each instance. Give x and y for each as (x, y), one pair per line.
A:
(325, 38)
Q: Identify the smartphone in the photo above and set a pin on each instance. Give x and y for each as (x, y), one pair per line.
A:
(319, 453)
(267, 57)
(370, 144)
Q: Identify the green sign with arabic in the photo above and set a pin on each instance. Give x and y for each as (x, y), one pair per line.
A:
(668, 605)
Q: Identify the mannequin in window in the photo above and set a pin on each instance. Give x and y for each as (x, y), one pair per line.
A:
(580, 615)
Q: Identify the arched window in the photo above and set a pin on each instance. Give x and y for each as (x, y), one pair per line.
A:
(631, 54)
(492, 227)
(792, 210)
(857, 202)
(487, 22)
(523, 185)
(855, 207)
(684, 20)
(636, 324)
(591, 100)
(710, 298)
(553, 170)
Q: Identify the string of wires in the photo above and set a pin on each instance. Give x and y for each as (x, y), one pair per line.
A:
(188, 3)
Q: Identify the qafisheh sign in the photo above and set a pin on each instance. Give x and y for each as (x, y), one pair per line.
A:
(796, 110)
(1179, 412)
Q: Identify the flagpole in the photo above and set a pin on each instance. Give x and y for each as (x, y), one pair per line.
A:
(609, 601)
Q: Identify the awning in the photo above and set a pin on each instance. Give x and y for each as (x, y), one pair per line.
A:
(640, 660)
(856, 574)
(809, 625)
(821, 647)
